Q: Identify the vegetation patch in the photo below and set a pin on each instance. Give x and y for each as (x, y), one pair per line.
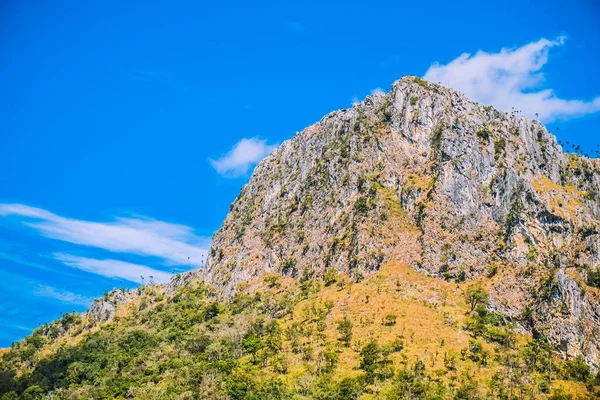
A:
(395, 335)
(483, 135)
(564, 200)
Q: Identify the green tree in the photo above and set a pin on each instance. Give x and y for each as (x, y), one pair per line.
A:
(369, 362)
(476, 296)
(330, 276)
(577, 369)
(252, 344)
(273, 389)
(536, 354)
(240, 386)
(32, 393)
(477, 353)
(344, 328)
(349, 389)
(330, 356)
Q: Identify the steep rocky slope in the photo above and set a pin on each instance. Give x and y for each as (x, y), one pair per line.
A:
(424, 176)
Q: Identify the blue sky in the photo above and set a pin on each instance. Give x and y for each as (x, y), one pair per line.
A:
(128, 129)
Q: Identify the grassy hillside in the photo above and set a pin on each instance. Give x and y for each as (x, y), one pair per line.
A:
(396, 334)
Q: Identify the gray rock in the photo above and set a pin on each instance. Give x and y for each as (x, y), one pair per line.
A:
(180, 280)
(571, 319)
(104, 309)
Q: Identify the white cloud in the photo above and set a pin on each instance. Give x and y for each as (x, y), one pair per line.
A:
(377, 90)
(511, 78)
(143, 236)
(62, 295)
(114, 268)
(245, 153)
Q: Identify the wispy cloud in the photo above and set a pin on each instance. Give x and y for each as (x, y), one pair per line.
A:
(114, 268)
(509, 79)
(12, 284)
(377, 90)
(172, 243)
(62, 295)
(245, 153)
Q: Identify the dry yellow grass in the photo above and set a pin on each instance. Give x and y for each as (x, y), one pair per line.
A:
(565, 201)
(422, 182)
(428, 314)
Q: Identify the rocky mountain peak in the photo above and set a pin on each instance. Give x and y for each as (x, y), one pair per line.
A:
(423, 176)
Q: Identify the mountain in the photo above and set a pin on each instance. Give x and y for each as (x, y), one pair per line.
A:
(423, 176)
(416, 245)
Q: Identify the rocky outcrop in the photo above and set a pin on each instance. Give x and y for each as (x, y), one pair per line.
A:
(104, 309)
(181, 280)
(571, 318)
(424, 176)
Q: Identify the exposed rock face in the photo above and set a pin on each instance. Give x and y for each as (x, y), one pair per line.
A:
(427, 177)
(571, 318)
(181, 280)
(104, 309)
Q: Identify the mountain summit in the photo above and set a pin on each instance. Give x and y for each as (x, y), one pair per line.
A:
(415, 246)
(454, 189)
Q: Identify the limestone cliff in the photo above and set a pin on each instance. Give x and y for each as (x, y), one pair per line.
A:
(424, 176)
